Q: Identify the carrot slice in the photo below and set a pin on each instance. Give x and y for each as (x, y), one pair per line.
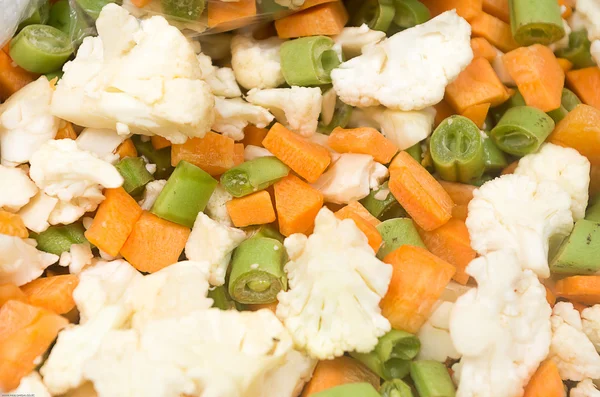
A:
(114, 221)
(12, 225)
(214, 153)
(254, 136)
(565, 64)
(586, 84)
(140, 3)
(52, 293)
(580, 130)
(325, 19)
(297, 205)
(313, 3)
(11, 292)
(568, 8)
(364, 140)
(497, 8)
(460, 193)
(442, 111)
(545, 382)
(468, 9)
(238, 153)
(254, 209)
(496, 31)
(259, 306)
(418, 280)
(360, 210)
(538, 75)
(126, 149)
(482, 48)
(337, 372)
(477, 113)
(365, 226)
(66, 131)
(582, 289)
(307, 159)
(12, 77)
(419, 193)
(158, 142)
(550, 297)
(220, 12)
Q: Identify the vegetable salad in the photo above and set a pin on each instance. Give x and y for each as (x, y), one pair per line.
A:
(363, 198)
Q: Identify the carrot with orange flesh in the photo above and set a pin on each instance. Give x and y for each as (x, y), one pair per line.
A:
(214, 153)
(140, 3)
(369, 230)
(511, 168)
(442, 111)
(363, 140)
(545, 382)
(52, 293)
(126, 149)
(417, 191)
(66, 131)
(307, 159)
(158, 142)
(238, 153)
(360, 210)
(11, 292)
(565, 64)
(538, 75)
(297, 204)
(594, 180)
(326, 19)
(582, 289)
(314, 3)
(550, 297)
(468, 9)
(12, 225)
(337, 372)
(259, 306)
(482, 48)
(254, 209)
(498, 9)
(460, 193)
(221, 12)
(254, 136)
(477, 113)
(580, 130)
(12, 77)
(418, 280)
(586, 84)
(496, 31)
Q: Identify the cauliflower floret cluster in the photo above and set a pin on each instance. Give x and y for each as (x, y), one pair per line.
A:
(20, 261)
(233, 115)
(16, 189)
(354, 39)
(585, 388)
(256, 63)
(221, 80)
(434, 335)
(216, 207)
(404, 129)
(590, 321)
(151, 193)
(102, 142)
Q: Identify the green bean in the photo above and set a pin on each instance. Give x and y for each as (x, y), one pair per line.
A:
(515, 100)
(536, 21)
(254, 175)
(135, 175)
(308, 61)
(578, 51)
(382, 204)
(162, 157)
(493, 158)
(93, 7)
(432, 379)
(377, 14)
(397, 232)
(58, 239)
(221, 298)
(593, 210)
(578, 254)
(40, 48)
(54, 75)
(410, 13)
(395, 388)
(183, 9)
(265, 231)
(341, 118)
(416, 152)
(522, 130)
(349, 390)
(39, 16)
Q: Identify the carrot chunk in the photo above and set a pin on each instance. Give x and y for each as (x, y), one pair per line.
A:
(11, 292)
(158, 142)
(254, 209)
(468, 9)
(360, 210)
(496, 31)
(297, 205)
(337, 372)
(214, 153)
(238, 153)
(65, 131)
(221, 12)
(477, 113)
(12, 225)
(363, 141)
(442, 111)
(497, 8)
(325, 19)
(545, 382)
(582, 289)
(126, 149)
(12, 77)
(580, 130)
(254, 136)
(52, 293)
(565, 64)
(363, 223)
(586, 84)
(482, 48)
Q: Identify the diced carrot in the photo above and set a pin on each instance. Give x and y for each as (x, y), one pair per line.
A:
(538, 75)
(482, 48)
(325, 19)
(297, 205)
(370, 231)
(565, 64)
(238, 153)
(468, 9)
(582, 289)
(461, 212)
(586, 84)
(220, 12)
(579, 306)
(337, 372)
(52, 293)
(11, 292)
(360, 210)
(12, 225)
(442, 111)
(254, 209)
(477, 113)
(550, 297)
(460, 193)
(114, 221)
(258, 306)
(496, 31)
(510, 169)
(12, 77)
(580, 130)
(158, 142)
(214, 153)
(307, 159)
(66, 131)
(497, 8)
(6, 47)
(26, 332)
(418, 280)
(140, 3)
(363, 140)
(567, 11)
(314, 3)
(419, 193)
(254, 136)
(477, 84)
(126, 149)
(545, 382)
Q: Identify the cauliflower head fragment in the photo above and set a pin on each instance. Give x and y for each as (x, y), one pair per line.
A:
(20, 261)
(233, 115)
(335, 286)
(514, 212)
(354, 39)
(31, 385)
(585, 388)
(256, 63)
(588, 14)
(16, 189)
(221, 80)
(411, 69)
(404, 129)
(590, 319)
(434, 335)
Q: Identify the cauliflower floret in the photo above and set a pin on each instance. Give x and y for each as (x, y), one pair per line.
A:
(565, 166)
(564, 42)
(588, 14)
(335, 286)
(252, 152)
(221, 80)
(297, 108)
(76, 177)
(502, 328)
(290, 3)
(78, 257)
(571, 350)
(289, 379)
(16, 189)
(216, 207)
(256, 63)
(20, 261)
(35, 215)
(101, 142)
(213, 243)
(411, 69)
(26, 122)
(585, 388)
(590, 318)
(31, 385)
(233, 115)
(516, 213)
(151, 193)
(436, 343)
(354, 39)
(138, 77)
(404, 129)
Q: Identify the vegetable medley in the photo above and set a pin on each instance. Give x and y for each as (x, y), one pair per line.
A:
(363, 198)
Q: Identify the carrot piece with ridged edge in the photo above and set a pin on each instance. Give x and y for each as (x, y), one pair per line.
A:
(12, 77)
(477, 113)
(363, 140)
(496, 31)
(443, 110)
(254, 136)
(12, 225)
(297, 204)
(461, 194)
(158, 142)
(545, 382)
(52, 293)
(582, 289)
(357, 208)
(337, 372)
(482, 48)
(11, 292)
(468, 9)
(253, 209)
(326, 19)
(214, 153)
(126, 149)
(580, 130)
(220, 12)
(369, 230)
(586, 84)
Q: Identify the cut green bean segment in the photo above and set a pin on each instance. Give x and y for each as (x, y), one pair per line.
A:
(54, 75)
(493, 158)
(184, 9)
(567, 103)
(39, 16)
(221, 298)
(397, 232)
(579, 253)
(58, 239)
(60, 16)
(515, 100)
(162, 157)
(593, 210)
(257, 271)
(382, 204)
(254, 175)
(185, 194)
(522, 130)
(270, 7)
(341, 118)
(416, 152)
(93, 7)
(135, 175)
(578, 51)
(536, 22)
(480, 181)
(395, 388)
(266, 231)
(410, 13)
(377, 14)
(349, 390)
(432, 379)
(308, 61)
(40, 48)
(456, 148)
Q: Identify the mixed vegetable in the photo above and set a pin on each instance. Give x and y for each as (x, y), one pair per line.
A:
(395, 198)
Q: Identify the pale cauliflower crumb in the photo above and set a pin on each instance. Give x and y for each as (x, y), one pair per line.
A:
(16, 189)
(216, 207)
(151, 193)
(354, 39)
(590, 319)
(221, 80)
(256, 63)
(20, 261)
(36, 214)
(434, 335)
(233, 115)
(585, 388)
(31, 385)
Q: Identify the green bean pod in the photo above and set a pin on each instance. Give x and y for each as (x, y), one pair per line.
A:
(416, 152)
(265, 231)
(382, 204)
(578, 51)
(93, 7)
(377, 14)
(397, 232)
(516, 99)
(349, 390)
(39, 16)
(58, 239)
(536, 22)
(40, 48)
(162, 157)
(135, 175)
(341, 118)
(493, 158)
(410, 13)
(183, 9)
(568, 102)
(432, 379)
(522, 130)
(308, 61)
(395, 388)
(254, 175)
(221, 298)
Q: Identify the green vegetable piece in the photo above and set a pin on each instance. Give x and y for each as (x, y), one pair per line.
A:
(221, 298)
(480, 181)
(58, 75)
(578, 51)
(432, 379)
(515, 100)
(257, 271)
(135, 175)
(535, 21)
(377, 14)
(579, 253)
(593, 211)
(341, 118)
(456, 149)
(40, 48)
(493, 158)
(308, 61)
(397, 232)
(395, 388)
(162, 157)
(522, 130)
(60, 16)
(416, 152)
(58, 239)
(382, 204)
(266, 231)
(93, 7)
(410, 13)
(349, 390)
(39, 16)
(254, 175)
(270, 7)
(568, 102)
(184, 9)
(185, 194)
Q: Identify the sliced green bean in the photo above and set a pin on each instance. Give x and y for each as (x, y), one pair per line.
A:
(579, 253)
(493, 158)
(162, 157)
(568, 102)
(578, 51)
(254, 175)
(60, 16)
(135, 175)
(183, 9)
(39, 16)
(397, 232)
(349, 390)
(410, 13)
(382, 204)
(432, 379)
(516, 99)
(58, 239)
(593, 210)
(341, 118)
(377, 14)
(58, 75)
(416, 152)
(40, 48)
(221, 298)
(395, 388)
(93, 7)
(522, 130)
(265, 231)
(308, 61)
(536, 22)
(270, 7)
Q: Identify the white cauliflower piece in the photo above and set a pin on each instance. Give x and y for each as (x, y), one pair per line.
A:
(350, 178)
(564, 42)
(453, 291)
(151, 193)
(354, 39)
(590, 321)
(290, 3)
(101, 142)
(588, 13)
(335, 286)
(20, 261)
(31, 385)
(501, 328)
(297, 108)
(289, 379)
(501, 71)
(213, 243)
(565, 166)
(36, 214)
(256, 63)
(436, 343)
(233, 115)
(221, 80)
(571, 350)
(411, 69)
(252, 152)
(16, 189)
(585, 388)
(138, 77)
(516, 213)
(595, 51)
(216, 207)
(76, 177)
(26, 122)
(78, 257)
